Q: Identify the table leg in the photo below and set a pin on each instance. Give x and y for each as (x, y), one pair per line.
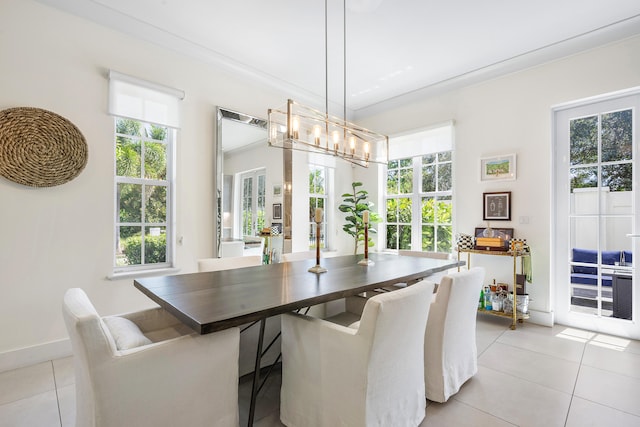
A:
(256, 374)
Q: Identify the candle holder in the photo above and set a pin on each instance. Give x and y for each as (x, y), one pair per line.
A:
(317, 268)
(366, 260)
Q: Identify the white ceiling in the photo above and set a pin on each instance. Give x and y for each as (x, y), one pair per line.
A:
(396, 49)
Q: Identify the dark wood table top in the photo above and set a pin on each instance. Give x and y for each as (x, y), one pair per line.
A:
(212, 301)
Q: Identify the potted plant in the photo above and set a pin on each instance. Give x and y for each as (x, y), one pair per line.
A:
(354, 204)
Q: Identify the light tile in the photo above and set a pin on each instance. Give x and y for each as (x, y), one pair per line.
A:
(26, 382)
(550, 341)
(488, 330)
(67, 405)
(585, 413)
(609, 389)
(455, 413)
(63, 371)
(612, 358)
(553, 372)
(514, 400)
(39, 410)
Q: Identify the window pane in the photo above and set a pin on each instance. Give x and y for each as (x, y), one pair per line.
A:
(156, 132)
(155, 161)
(404, 210)
(429, 178)
(617, 136)
(445, 156)
(583, 177)
(393, 164)
(128, 157)
(392, 237)
(583, 140)
(617, 177)
(129, 203)
(427, 238)
(392, 210)
(444, 177)
(444, 238)
(443, 210)
(404, 241)
(428, 211)
(129, 127)
(128, 249)
(406, 163)
(156, 206)
(155, 245)
(392, 182)
(428, 159)
(406, 181)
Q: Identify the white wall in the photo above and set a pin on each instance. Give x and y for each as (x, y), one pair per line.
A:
(512, 114)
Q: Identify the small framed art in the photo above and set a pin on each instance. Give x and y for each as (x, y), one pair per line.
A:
(277, 211)
(497, 168)
(496, 206)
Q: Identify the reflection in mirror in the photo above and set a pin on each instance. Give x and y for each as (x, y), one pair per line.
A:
(247, 172)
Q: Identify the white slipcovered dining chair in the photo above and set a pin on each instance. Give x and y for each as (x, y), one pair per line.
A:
(370, 374)
(450, 352)
(217, 264)
(148, 369)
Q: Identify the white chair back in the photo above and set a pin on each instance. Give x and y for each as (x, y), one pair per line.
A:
(450, 336)
(218, 264)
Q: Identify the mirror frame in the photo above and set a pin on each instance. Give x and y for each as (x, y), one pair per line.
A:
(225, 113)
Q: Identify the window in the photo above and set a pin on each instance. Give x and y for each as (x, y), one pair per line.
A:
(253, 202)
(146, 116)
(418, 193)
(317, 199)
(143, 194)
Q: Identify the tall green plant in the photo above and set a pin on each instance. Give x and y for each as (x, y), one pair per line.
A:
(354, 204)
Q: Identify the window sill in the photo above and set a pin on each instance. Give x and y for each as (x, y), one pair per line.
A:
(143, 273)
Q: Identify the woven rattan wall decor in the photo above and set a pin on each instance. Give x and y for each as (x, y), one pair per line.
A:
(39, 148)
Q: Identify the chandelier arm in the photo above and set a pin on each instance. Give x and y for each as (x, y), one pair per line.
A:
(344, 61)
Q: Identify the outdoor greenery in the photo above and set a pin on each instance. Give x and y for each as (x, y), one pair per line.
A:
(141, 166)
(615, 132)
(435, 202)
(155, 249)
(317, 199)
(354, 204)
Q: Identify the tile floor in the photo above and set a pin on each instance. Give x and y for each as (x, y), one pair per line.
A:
(534, 376)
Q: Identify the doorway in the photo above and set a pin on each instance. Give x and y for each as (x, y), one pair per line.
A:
(595, 214)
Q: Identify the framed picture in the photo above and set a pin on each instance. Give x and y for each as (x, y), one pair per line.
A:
(277, 190)
(277, 211)
(496, 206)
(499, 168)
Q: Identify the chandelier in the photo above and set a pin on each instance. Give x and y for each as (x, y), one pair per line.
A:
(298, 127)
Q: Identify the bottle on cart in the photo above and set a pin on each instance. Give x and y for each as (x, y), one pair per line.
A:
(487, 298)
(481, 301)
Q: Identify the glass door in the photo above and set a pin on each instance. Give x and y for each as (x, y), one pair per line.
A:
(595, 217)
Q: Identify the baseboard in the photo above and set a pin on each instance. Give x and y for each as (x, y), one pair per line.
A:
(543, 318)
(33, 355)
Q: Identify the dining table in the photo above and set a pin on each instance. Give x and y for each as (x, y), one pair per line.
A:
(212, 301)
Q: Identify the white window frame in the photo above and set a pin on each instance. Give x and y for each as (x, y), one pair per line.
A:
(169, 223)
